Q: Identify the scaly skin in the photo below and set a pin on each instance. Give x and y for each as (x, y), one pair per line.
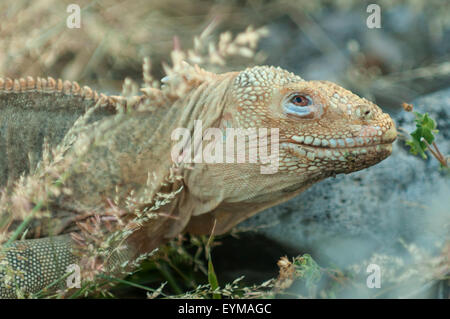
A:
(324, 130)
(34, 109)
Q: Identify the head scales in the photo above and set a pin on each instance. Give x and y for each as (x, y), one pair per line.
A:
(341, 133)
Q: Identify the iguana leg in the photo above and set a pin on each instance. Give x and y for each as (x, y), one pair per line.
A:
(31, 265)
(28, 267)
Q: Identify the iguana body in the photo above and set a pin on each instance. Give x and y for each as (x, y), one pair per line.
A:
(323, 130)
(32, 110)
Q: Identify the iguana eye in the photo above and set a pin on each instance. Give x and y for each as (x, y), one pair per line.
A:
(298, 105)
(300, 100)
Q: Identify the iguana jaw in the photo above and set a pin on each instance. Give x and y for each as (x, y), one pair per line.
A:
(343, 155)
(348, 144)
(340, 160)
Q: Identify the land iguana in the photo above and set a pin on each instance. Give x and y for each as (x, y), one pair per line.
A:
(115, 159)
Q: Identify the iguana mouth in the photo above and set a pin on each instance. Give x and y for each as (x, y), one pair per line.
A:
(341, 154)
(341, 149)
(353, 143)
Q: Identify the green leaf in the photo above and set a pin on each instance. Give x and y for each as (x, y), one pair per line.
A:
(308, 269)
(425, 127)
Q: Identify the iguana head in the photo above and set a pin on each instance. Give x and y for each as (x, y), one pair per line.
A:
(324, 129)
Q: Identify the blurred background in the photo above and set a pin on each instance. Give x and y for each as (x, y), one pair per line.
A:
(407, 58)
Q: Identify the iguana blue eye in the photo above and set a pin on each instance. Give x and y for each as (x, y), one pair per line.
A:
(298, 105)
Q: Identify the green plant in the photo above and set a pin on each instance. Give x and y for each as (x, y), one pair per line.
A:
(423, 137)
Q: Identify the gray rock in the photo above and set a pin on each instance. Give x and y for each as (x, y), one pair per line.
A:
(346, 220)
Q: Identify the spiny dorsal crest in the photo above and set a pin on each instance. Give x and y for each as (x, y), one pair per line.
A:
(265, 76)
(50, 86)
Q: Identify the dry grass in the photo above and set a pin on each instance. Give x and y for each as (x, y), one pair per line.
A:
(111, 45)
